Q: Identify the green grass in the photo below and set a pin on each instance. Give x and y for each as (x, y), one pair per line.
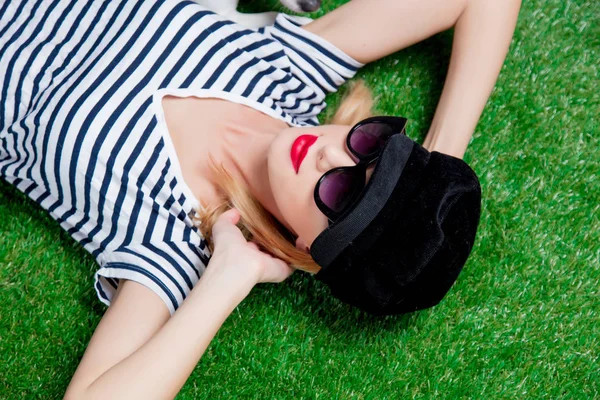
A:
(523, 320)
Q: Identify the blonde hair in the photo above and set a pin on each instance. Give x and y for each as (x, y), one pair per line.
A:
(256, 223)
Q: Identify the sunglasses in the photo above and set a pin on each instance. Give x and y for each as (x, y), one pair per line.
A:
(340, 188)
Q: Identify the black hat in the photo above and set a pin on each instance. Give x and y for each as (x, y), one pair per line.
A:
(402, 246)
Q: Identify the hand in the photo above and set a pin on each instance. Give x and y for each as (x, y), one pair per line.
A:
(235, 261)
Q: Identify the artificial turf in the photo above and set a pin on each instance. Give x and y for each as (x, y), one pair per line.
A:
(522, 321)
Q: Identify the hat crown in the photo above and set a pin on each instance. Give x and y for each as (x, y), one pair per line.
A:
(409, 255)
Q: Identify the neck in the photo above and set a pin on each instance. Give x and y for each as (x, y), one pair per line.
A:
(242, 147)
(234, 135)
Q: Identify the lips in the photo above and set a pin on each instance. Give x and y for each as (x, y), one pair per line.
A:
(300, 148)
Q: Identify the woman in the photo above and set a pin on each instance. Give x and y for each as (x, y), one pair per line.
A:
(112, 113)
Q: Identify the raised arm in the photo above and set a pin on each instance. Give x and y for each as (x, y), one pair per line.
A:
(138, 352)
(368, 30)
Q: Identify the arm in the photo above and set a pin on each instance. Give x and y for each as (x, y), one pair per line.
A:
(138, 352)
(483, 31)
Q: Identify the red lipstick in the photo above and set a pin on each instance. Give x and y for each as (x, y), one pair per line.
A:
(300, 148)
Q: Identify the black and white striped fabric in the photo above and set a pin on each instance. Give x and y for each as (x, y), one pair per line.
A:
(82, 129)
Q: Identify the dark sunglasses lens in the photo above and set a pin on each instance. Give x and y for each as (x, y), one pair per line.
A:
(370, 138)
(339, 188)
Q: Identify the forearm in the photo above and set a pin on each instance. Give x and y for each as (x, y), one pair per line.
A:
(482, 36)
(368, 30)
(160, 367)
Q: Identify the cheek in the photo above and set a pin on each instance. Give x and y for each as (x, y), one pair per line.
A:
(293, 194)
(304, 217)
(280, 170)
(294, 199)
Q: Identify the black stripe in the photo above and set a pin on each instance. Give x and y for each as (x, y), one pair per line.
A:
(146, 273)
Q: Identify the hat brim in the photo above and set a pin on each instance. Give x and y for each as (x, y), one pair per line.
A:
(335, 238)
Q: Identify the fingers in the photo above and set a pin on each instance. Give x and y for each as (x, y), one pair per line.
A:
(225, 230)
(277, 271)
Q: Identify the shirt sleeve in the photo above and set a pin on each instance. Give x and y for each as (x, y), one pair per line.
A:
(170, 269)
(314, 60)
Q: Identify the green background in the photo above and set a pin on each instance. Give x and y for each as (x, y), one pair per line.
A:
(522, 321)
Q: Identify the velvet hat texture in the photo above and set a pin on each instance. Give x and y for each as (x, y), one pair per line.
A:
(404, 243)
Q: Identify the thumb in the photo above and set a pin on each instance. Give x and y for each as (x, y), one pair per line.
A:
(226, 225)
(232, 215)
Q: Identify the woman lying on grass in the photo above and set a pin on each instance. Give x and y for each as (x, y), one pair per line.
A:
(132, 121)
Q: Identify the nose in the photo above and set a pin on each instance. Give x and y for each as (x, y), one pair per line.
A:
(310, 5)
(330, 157)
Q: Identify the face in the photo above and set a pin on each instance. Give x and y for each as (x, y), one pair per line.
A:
(293, 191)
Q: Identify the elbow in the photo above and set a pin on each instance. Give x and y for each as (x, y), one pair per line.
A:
(74, 393)
(73, 396)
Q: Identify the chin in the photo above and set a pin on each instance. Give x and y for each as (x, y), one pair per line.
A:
(279, 163)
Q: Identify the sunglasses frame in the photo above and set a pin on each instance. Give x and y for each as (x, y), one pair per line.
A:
(398, 125)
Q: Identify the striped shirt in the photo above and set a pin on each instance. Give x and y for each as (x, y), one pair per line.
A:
(82, 129)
